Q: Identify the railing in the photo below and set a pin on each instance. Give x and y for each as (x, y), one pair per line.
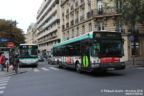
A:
(100, 12)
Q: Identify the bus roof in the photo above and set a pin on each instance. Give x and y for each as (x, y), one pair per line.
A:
(84, 36)
(87, 35)
(27, 44)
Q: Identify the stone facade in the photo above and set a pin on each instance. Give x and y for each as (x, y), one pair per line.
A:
(82, 16)
(48, 23)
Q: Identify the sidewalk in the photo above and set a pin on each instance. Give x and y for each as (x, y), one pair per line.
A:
(136, 63)
(12, 72)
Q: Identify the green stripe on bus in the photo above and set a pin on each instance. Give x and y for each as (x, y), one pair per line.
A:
(85, 61)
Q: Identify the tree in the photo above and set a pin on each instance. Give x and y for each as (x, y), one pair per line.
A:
(132, 12)
(12, 33)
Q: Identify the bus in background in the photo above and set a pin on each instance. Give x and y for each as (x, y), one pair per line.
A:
(28, 54)
(94, 51)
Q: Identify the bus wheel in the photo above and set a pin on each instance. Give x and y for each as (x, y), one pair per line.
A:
(78, 67)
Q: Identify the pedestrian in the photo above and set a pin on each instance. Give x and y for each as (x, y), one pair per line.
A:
(2, 61)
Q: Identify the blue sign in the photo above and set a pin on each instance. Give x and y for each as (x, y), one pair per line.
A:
(131, 38)
(4, 40)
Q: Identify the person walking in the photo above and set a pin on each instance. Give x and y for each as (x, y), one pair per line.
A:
(2, 61)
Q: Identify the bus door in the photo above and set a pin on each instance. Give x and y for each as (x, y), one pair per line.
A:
(85, 57)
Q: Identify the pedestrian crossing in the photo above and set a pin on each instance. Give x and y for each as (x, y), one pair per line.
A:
(3, 83)
(45, 69)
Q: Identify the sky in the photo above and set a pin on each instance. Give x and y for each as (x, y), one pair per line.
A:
(23, 11)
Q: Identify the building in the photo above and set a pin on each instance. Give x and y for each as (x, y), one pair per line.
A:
(31, 36)
(48, 25)
(78, 17)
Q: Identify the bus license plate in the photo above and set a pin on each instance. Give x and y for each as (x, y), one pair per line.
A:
(110, 69)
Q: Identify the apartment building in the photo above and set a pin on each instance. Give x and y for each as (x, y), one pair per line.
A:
(48, 25)
(82, 16)
(31, 37)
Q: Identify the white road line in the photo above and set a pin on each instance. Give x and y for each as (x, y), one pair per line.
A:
(53, 68)
(45, 69)
(1, 92)
(36, 70)
(140, 68)
(2, 87)
(3, 84)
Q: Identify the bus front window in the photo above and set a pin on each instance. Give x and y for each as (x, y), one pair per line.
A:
(112, 48)
(95, 49)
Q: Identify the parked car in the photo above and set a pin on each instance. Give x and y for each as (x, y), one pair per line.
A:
(40, 58)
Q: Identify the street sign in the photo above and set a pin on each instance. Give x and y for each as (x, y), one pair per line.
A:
(10, 44)
(4, 40)
(131, 38)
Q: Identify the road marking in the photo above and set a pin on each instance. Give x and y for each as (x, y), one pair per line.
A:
(1, 92)
(53, 68)
(36, 70)
(3, 84)
(140, 68)
(2, 87)
(45, 69)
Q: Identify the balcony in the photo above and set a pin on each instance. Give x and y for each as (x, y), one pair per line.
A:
(103, 12)
(82, 18)
(76, 21)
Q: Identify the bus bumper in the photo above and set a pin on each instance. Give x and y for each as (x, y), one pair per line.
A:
(108, 66)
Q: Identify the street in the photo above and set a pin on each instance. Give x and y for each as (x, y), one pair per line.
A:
(49, 80)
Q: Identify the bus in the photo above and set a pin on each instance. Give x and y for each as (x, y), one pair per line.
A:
(28, 55)
(93, 51)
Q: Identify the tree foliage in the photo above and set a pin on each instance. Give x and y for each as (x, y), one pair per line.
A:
(12, 33)
(132, 11)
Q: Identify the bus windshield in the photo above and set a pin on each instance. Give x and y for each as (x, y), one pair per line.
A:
(28, 53)
(112, 48)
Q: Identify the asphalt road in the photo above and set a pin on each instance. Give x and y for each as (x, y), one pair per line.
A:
(48, 80)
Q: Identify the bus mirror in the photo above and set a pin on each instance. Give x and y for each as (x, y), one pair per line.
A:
(38, 51)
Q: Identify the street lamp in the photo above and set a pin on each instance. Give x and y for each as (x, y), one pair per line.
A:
(12, 36)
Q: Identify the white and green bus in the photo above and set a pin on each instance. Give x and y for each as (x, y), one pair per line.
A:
(94, 51)
(28, 54)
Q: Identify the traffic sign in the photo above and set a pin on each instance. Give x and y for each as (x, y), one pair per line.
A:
(4, 40)
(10, 44)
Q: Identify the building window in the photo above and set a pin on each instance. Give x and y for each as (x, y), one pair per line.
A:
(77, 31)
(119, 26)
(101, 26)
(135, 47)
(83, 29)
(100, 7)
(72, 33)
(90, 27)
(89, 7)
